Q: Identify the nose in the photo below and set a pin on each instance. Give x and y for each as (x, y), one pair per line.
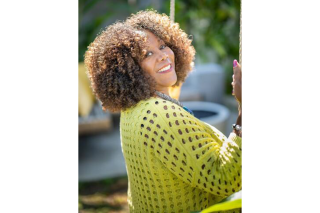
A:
(163, 56)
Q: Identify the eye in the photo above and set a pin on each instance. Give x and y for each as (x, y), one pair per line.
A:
(162, 46)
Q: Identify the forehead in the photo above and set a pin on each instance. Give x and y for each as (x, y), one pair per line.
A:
(151, 38)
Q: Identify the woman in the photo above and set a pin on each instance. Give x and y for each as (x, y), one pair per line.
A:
(175, 162)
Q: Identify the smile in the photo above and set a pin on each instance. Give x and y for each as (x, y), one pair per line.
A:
(166, 69)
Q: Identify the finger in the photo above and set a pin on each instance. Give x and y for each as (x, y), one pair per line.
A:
(237, 70)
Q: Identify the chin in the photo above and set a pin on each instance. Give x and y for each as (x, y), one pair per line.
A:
(174, 82)
(170, 83)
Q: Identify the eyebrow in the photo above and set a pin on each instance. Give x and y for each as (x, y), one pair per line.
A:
(160, 41)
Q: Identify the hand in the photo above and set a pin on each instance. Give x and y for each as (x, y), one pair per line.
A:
(237, 81)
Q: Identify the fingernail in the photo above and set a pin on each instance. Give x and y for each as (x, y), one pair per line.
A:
(235, 63)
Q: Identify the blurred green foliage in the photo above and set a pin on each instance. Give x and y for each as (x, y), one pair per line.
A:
(94, 16)
(215, 27)
(213, 24)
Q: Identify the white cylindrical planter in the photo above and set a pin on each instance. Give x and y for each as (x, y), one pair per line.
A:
(214, 114)
(208, 80)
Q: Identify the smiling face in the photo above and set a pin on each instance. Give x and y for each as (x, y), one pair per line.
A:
(159, 63)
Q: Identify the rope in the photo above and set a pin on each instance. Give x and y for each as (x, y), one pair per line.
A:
(172, 10)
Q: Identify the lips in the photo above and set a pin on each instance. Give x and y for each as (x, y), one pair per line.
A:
(164, 66)
(166, 71)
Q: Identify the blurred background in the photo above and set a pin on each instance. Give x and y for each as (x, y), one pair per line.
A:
(214, 26)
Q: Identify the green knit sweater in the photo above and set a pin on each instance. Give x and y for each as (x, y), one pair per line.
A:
(175, 162)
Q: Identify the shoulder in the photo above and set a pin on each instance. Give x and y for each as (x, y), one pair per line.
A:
(156, 110)
(143, 109)
(172, 115)
(141, 106)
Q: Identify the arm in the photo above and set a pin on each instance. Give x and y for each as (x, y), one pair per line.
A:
(195, 152)
(237, 88)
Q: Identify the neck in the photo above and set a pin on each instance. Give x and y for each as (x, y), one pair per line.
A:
(167, 97)
(164, 90)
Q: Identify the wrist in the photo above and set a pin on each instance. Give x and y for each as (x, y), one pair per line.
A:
(237, 127)
(238, 133)
(237, 130)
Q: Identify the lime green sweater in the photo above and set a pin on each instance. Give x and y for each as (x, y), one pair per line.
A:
(175, 162)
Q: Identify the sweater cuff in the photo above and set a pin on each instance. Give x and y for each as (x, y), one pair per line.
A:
(235, 138)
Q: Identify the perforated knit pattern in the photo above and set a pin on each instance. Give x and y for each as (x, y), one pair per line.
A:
(175, 162)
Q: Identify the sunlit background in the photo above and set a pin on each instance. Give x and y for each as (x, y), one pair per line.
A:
(214, 26)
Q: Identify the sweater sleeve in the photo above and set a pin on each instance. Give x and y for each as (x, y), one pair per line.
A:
(194, 151)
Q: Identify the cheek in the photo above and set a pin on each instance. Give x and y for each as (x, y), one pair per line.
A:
(146, 66)
(171, 53)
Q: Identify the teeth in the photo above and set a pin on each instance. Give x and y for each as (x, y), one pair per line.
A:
(165, 68)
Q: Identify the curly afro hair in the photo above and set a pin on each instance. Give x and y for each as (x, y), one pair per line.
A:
(113, 59)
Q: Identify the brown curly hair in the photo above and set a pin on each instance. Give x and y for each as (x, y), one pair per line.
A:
(113, 59)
